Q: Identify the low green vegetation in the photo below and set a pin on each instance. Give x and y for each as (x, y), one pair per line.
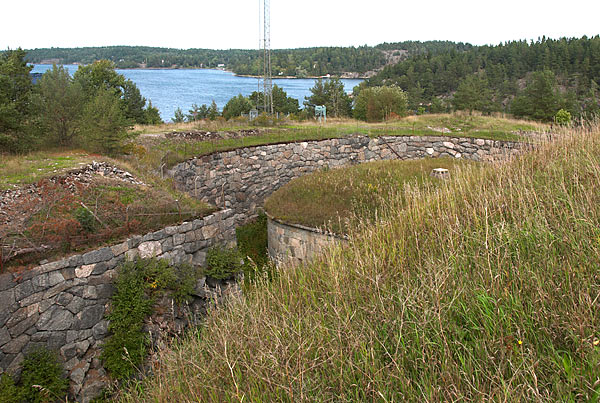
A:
(253, 244)
(170, 151)
(335, 199)
(42, 380)
(137, 285)
(483, 288)
(17, 170)
(223, 263)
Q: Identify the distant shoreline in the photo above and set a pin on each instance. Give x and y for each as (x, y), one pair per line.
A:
(357, 77)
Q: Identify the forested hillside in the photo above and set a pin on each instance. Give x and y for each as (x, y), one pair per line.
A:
(487, 78)
(286, 62)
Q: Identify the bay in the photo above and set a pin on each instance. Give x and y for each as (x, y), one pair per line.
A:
(180, 88)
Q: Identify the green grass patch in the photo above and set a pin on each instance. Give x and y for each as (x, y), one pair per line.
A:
(17, 170)
(253, 245)
(335, 199)
(159, 151)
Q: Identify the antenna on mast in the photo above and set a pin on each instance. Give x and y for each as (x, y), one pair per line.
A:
(267, 78)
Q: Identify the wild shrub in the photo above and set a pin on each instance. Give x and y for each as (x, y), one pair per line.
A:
(136, 286)
(85, 218)
(9, 392)
(42, 379)
(222, 263)
(252, 245)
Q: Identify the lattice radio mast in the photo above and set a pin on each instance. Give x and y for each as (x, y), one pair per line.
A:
(267, 78)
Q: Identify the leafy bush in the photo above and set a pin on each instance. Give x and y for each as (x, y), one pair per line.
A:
(563, 117)
(9, 392)
(85, 218)
(252, 243)
(223, 263)
(136, 285)
(42, 379)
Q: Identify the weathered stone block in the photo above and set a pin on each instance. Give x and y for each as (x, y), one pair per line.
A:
(55, 318)
(178, 239)
(90, 316)
(199, 258)
(131, 254)
(6, 281)
(84, 271)
(90, 292)
(4, 336)
(105, 290)
(100, 329)
(22, 291)
(134, 241)
(24, 325)
(68, 273)
(172, 230)
(15, 345)
(209, 231)
(149, 249)
(119, 249)
(47, 280)
(64, 299)
(7, 298)
(100, 255)
(51, 340)
(185, 227)
(99, 268)
(59, 264)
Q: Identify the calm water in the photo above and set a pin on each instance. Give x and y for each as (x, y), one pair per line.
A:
(170, 89)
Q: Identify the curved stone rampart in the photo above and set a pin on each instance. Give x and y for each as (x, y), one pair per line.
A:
(241, 179)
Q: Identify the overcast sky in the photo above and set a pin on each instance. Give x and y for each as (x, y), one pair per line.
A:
(225, 24)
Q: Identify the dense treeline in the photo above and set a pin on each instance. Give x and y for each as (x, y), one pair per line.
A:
(501, 73)
(92, 109)
(303, 62)
(287, 62)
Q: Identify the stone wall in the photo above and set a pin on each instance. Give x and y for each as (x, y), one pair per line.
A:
(241, 179)
(61, 305)
(294, 243)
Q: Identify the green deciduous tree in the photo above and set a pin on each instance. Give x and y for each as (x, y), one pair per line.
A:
(281, 102)
(380, 103)
(474, 94)
(236, 106)
(179, 116)
(101, 75)
(541, 98)
(331, 93)
(104, 125)
(59, 105)
(213, 111)
(15, 102)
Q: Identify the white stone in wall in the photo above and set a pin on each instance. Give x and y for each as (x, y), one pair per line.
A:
(149, 249)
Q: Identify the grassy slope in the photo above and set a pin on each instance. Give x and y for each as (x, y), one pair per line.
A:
(333, 198)
(487, 288)
(55, 221)
(171, 151)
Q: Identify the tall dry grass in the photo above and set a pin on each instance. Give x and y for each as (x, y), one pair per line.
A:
(487, 288)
